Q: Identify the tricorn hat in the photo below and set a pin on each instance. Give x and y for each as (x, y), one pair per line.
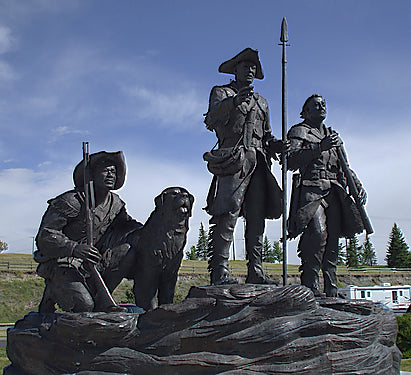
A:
(249, 55)
(109, 158)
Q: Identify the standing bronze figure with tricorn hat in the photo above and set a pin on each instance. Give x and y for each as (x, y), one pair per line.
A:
(243, 184)
(81, 267)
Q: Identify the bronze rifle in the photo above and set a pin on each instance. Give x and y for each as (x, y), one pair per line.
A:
(354, 190)
(103, 295)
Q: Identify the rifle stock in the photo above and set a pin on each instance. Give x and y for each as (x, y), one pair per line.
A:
(354, 191)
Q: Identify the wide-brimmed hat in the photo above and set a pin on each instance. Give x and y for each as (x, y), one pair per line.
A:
(110, 158)
(249, 55)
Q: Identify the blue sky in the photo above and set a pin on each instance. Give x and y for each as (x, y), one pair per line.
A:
(136, 76)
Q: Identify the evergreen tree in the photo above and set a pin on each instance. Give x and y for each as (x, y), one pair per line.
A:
(267, 251)
(3, 246)
(353, 252)
(342, 255)
(192, 253)
(278, 252)
(202, 243)
(397, 253)
(368, 257)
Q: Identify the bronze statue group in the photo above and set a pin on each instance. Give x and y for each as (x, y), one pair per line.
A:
(82, 265)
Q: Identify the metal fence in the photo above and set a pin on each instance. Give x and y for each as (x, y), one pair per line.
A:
(185, 268)
(275, 268)
(239, 268)
(379, 270)
(10, 266)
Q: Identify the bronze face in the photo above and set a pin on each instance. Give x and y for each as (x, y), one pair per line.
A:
(105, 177)
(316, 110)
(245, 72)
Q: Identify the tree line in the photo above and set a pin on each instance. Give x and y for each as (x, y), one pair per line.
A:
(271, 252)
(351, 252)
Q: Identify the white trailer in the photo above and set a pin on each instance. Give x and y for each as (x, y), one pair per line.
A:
(395, 297)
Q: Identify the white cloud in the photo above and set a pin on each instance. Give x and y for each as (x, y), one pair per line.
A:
(22, 11)
(24, 193)
(62, 131)
(42, 102)
(7, 41)
(382, 161)
(82, 84)
(78, 76)
(6, 72)
(182, 107)
(23, 197)
(147, 177)
(381, 164)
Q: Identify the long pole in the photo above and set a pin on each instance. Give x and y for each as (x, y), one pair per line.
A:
(284, 40)
(233, 248)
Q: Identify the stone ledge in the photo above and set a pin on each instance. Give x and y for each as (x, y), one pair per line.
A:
(235, 329)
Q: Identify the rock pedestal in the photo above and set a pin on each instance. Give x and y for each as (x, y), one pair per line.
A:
(234, 329)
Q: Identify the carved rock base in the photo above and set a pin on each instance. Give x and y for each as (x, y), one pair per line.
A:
(234, 329)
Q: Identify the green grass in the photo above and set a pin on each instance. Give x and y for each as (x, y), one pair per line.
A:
(24, 262)
(123, 293)
(185, 283)
(406, 365)
(16, 258)
(4, 361)
(19, 294)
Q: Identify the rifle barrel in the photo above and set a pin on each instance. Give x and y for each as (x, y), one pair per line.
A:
(354, 191)
(103, 293)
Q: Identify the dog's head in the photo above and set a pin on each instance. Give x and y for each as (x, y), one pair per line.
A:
(175, 201)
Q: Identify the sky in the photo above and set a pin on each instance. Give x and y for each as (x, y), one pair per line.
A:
(136, 76)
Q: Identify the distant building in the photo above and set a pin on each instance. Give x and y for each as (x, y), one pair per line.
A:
(396, 297)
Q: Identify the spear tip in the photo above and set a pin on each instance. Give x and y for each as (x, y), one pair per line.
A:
(284, 31)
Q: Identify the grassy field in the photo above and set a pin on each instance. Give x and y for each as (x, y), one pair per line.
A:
(4, 361)
(19, 293)
(14, 257)
(406, 365)
(22, 262)
(25, 262)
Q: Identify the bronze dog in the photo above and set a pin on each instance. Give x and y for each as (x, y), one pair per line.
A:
(160, 248)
